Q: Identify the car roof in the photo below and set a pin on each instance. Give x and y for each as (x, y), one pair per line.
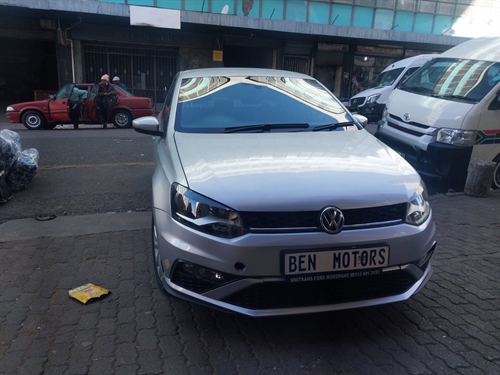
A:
(422, 59)
(214, 72)
(483, 48)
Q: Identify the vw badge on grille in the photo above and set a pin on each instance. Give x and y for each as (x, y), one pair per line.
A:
(406, 117)
(331, 220)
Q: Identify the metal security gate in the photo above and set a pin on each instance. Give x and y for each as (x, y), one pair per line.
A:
(145, 72)
(296, 64)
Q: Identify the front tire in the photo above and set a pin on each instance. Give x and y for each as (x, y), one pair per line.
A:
(34, 120)
(122, 119)
(496, 174)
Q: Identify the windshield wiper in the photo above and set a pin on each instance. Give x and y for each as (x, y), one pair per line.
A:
(454, 97)
(265, 127)
(332, 126)
(417, 89)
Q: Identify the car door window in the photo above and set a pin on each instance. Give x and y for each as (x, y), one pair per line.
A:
(408, 73)
(64, 92)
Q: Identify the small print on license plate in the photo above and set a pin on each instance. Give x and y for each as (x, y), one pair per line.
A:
(329, 261)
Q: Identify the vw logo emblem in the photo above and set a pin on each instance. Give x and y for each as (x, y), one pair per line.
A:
(406, 117)
(331, 220)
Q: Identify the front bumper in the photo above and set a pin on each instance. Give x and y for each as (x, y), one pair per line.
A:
(14, 117)
(256, 287)
(443, 163)
(372, 110)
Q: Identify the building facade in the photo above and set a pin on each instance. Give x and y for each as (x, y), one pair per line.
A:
(48, 43)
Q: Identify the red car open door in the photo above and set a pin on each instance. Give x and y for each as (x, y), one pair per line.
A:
(59, 105)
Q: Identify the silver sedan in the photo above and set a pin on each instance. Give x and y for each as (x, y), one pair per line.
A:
(269, 198)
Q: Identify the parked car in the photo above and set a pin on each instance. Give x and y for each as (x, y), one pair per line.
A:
(448, 114)
(48, 113)
(269, 198)
(371, 102)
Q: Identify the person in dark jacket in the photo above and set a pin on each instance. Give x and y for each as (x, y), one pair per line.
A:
(106, 99)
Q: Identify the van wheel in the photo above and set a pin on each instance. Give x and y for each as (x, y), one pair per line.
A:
(33, 120)
(496, 174)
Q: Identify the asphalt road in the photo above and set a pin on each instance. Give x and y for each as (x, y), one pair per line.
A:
(90, 170)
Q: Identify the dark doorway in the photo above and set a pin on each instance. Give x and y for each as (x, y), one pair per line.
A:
(28, 66)
(253, 57)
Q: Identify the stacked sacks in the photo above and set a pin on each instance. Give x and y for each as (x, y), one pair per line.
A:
(17, 167)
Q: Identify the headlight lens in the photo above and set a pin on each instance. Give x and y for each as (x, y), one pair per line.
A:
(10, 109)
(204, 214)
(418, 208)
(372, 98)
(456, 137)
(385, 114)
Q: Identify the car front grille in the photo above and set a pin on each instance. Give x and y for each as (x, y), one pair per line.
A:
(285, 294)
(405, 130)
(309, 220)
(356, 102)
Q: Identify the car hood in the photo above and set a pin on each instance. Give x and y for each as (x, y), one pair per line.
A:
(37, 104)
(295, 171)
(429, 111)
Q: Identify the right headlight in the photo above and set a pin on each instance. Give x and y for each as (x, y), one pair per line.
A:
(456, 137)
(385, 114)
(205, 215)
(418, 208)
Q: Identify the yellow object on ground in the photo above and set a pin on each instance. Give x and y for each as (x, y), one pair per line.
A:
(87, 292)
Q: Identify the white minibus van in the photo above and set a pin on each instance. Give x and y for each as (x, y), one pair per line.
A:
(371, 102)
(448, 113)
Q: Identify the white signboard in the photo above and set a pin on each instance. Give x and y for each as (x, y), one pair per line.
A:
(155, 17)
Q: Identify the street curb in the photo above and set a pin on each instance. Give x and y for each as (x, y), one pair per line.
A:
(78, 225)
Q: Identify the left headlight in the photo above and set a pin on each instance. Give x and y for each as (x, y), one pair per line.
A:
(456, 137)
(10, 109)
(372, 98)
(418, 208)
(203, 214)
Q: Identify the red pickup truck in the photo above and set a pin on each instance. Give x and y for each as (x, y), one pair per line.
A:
(47, 113)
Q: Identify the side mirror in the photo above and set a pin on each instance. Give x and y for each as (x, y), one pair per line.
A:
(147, 125)
(362, 120)
(52, 97)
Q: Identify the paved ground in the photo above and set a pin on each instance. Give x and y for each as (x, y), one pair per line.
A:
(451, 327)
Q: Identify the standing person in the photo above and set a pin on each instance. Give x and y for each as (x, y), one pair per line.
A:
(76, 101)
(116, 82)
(106, 98)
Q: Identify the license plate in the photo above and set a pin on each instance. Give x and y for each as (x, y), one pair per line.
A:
(329, 261)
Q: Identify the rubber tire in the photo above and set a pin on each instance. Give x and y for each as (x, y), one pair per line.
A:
(496, 174)
(158, 269)
(33, 120)
(122, 119)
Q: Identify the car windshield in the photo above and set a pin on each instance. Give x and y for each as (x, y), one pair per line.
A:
(454, 79)
(386, 78)
(257, 104)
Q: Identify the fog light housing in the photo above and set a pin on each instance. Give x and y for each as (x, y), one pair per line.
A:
(197, 278)
(203, 273)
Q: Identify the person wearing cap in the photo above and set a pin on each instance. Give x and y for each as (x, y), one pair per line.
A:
(116, 82)
(106, 99)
